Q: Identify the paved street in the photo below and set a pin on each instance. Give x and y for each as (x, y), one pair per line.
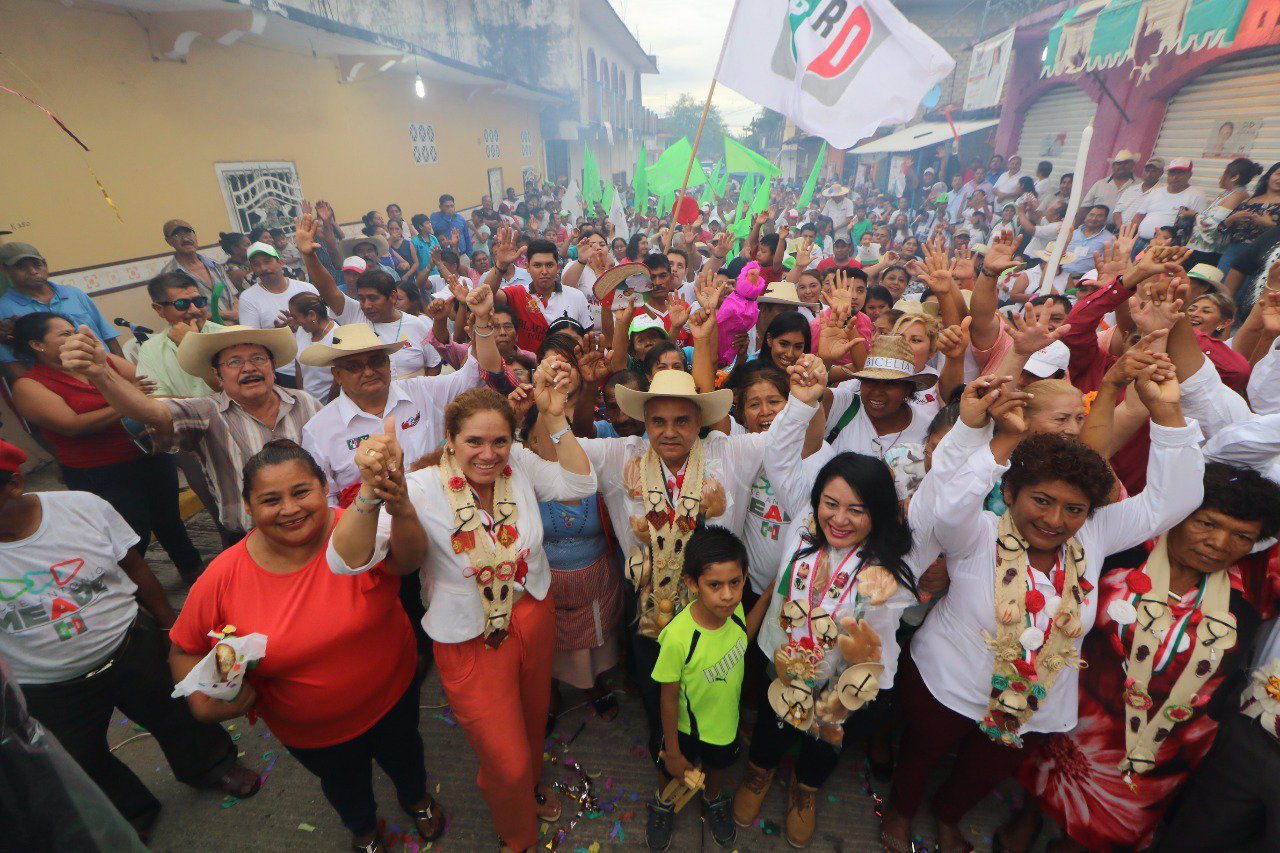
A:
(289, 813)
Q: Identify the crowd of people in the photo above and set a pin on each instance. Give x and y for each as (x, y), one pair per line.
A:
(847, 474)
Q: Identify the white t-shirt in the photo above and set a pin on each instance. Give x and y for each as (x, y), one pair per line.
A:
(318, 381)
(860, 435)
(417, 355)
(67, 604)
(1161, 208)
(568, 302)
(260, 308)
(1128, 200)
(1007, 184)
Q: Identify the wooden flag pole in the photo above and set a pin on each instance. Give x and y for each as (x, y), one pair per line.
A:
(688, 170)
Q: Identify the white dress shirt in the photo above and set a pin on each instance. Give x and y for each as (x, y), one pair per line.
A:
(455, 611)
(949, 649)
(860, 436)
(733, 461)
(1264, 384)
(317, 381)
(336, 431)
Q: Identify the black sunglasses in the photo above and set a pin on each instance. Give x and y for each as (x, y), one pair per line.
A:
(185, 304)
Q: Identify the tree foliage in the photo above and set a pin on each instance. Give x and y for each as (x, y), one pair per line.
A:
(681, 119)
(764, 133)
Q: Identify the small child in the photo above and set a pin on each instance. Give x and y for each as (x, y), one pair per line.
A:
(700, 667)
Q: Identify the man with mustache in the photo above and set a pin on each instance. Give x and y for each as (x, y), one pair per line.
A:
(207, 274)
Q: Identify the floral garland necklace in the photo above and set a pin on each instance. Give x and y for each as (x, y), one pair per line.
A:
(655, 564)
(1151, 619)
(496, 564)
(1028, 660)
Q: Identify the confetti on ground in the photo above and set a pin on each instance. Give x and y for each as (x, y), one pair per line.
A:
(229, 801)
(306, 827)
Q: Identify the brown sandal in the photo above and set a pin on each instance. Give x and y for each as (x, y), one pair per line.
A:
(240, 782)
(423, 818)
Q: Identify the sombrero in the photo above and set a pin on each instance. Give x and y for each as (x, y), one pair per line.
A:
(783, 293)
(835, 191)
(632, 276)
(196, 352)
(1047, 252)
(381, 246)
(347, 340)
(714, 405)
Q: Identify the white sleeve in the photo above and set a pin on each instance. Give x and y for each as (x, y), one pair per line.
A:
(444, 388)
(964, 470)
(550, 481)
(311, 443)
(250, 312)
(381, 541)
(1264, 384)
(351, 312)
(1249, 444)
(583, 311)
(1210, 403)
(791, 476)
(1175, 488)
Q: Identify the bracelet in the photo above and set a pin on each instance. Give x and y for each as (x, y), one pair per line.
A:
(360, 511)
(556, 436)
(989, 274)
(368, 501)
(476, 331)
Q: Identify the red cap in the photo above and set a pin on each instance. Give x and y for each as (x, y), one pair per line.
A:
(11, 458)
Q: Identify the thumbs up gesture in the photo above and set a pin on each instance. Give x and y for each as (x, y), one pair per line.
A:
(380, 460)
(83, 353)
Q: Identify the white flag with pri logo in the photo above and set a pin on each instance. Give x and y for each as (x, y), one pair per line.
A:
(839, 69)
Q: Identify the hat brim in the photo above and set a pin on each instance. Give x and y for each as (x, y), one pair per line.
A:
(1207, 282)
(380, 244)
(196, 352)
(922, 381)
(1041, 369)
(1067, 257)
(636, 276)
(324, 355)
(782, 300)
(714, 405)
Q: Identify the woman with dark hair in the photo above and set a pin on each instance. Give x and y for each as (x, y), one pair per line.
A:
(1174, 676)
(827, 619)
(409, 297)
(337, 687)
(236, 247)
(787, 337)
(1260, 212)
(95, 450)
(993, 668)
(637, 247)
(489, 614)
(314, 326)
(664, 355)
(1208, 237)
(618, 248)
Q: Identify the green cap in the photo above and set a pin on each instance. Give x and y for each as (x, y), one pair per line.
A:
(12, 253)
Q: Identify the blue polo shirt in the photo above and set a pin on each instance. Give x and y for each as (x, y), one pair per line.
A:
(71, 302)
(1084, 246)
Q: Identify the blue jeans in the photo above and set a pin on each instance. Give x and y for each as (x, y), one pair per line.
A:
(1230, 255)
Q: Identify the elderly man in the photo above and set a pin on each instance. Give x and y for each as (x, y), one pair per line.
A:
(1134, 194)
(371, 250)
(32, 291)
(1173, 205)
(209, 275)
(1107, 190)
(838, 207)
(222, 429)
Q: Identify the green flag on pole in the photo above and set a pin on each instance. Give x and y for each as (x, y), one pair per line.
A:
(744, 194)
(666, 175)
(811, 184)
(606, 198)
(740, 158)
(640, 182)
(666, 201)
(590, 180)
(761, 201)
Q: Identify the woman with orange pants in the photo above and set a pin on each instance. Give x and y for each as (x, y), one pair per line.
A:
(487, 579)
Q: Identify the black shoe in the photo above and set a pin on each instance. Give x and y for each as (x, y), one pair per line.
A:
(719, 817)
(661, 825)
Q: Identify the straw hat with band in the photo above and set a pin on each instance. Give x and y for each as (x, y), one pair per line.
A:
(931, 310)
(835, 191)
(196, 352)
(714, 405)
(634, 276)
(380, 244)
(1207, 273)
(347, 340)
(890, 360)
(1047, 252)
(784, 293)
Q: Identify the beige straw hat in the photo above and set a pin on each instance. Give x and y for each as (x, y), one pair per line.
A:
(347, 340)
(891, 359)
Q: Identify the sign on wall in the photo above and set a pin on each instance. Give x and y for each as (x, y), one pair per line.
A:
(264, 194)
(495, 183)
(492, 143)
(526, 144)
(988, 68)
(422, 138)
(1230, 139)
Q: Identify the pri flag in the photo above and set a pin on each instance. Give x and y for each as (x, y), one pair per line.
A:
(839, 69)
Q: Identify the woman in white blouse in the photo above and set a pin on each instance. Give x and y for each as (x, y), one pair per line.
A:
(994, 666)
(486, 579)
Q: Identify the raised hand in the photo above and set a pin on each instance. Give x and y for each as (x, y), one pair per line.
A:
(1155, 306)
(840, 294)
(962, 268)
(1010, 411)
(1157, 385)
(837, 339)
(480, 302)
(506, 248)
(437, 309)
(808, 379)
(804, 253)
(706, 290)
(1268, 306)
(324, 210)
(305, 235)
(1125, 241)
(702, 323)
(593, 363)
(1138, 358)
(1030, 331)
(953, 341)
(521, 400)
(552, 382)
(937, 268)
(978, 398)
(380, 455)
(1111, 261)
(678, 313)
(722, 244)
(999, 255)
(83, 353)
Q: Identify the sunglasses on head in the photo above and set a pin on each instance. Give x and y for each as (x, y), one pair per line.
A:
(185, 304)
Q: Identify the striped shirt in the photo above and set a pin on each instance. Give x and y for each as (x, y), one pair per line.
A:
(223, 435)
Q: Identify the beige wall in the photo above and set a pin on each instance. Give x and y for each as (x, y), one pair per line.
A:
(157, 128)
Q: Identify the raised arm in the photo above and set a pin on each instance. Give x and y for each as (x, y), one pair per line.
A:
(84, 354)
(984, 330)
(334, 299)
(790, 470)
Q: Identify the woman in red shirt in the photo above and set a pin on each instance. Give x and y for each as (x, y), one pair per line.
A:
(337, 682)
(95, 451)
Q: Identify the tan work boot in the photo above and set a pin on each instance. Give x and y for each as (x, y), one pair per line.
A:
(801, 814)
(750, 795)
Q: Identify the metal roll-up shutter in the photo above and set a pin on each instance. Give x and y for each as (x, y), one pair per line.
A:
(1240, 91)
(1051, 130)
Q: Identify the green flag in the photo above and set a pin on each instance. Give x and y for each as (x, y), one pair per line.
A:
(590, 179)
(761, 201)
(745, 193)
(666, 201)
(640, 182)
(666, 175)
(740, 158)
(721, 182)
(606, 199)
(811, 184)
(742, 228)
